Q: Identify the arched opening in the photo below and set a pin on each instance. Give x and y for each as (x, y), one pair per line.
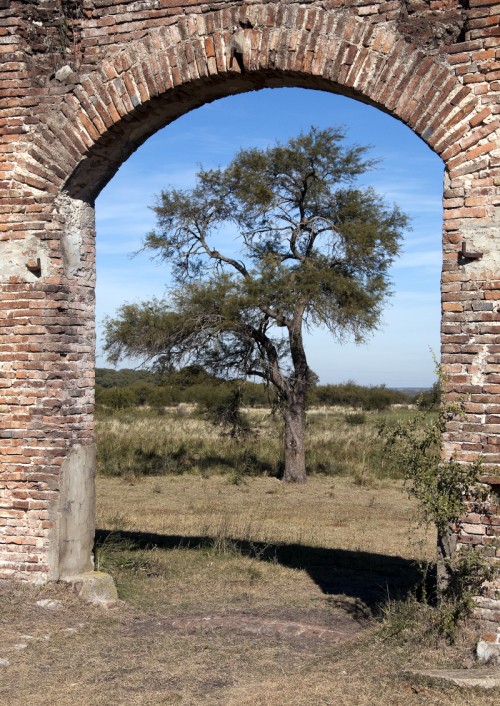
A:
(124, 136)
(231, 529)
(226, 527)
(98, 120)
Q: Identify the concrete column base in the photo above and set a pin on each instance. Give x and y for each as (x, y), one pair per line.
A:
(94, 587)
(488, 652)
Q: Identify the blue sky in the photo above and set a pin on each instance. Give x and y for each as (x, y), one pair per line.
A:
(409, 174)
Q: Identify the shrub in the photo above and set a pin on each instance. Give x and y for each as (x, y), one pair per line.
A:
(355, 419)
(442, 488)
(223, 408)
(115, 397)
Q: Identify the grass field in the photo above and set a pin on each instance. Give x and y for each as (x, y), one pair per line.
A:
(209, 564)
(134, 442)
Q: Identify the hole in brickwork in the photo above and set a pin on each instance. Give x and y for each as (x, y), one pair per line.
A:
(409, 174)
(495, 490)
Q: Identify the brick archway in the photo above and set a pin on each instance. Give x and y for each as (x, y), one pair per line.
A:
(134, 67)
(106, 113)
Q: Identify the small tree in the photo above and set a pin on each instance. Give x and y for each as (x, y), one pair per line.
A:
(314, 250)
(445, 489)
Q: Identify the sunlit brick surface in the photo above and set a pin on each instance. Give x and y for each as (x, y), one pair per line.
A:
(84, 83)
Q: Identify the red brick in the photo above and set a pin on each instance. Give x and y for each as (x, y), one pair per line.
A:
(133, 57)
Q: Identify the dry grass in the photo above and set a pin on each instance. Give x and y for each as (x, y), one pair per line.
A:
(327, 512)
(297, 541)
(138, 442)
(335, 553)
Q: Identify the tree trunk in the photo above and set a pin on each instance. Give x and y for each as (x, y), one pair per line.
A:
(447, 544)
(295, 424)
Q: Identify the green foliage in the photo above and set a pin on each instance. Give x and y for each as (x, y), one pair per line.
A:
(420, 618)
(193, 384)
(317, 247)
(223, 408)
(116, 397)
(466, 575)
(430, 399)
(190, 376)
(355, 419)
(349, 394)
(258, 395)
(315, 250)
(440, 486)
(140, 331)
(108, 377)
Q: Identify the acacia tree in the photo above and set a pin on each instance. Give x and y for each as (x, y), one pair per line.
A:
(311, 249)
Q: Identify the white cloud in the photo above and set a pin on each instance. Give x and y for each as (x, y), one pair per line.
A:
(419, 258)
(412, 195)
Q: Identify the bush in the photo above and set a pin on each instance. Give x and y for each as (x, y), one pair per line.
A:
(115, 397)
(194, 385)
(355, 419)
(349, 394)
(428, 613)
(430, 399)
(443, 489)
(223, 408)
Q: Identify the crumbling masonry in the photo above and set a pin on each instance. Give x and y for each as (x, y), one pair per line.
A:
(85, 82)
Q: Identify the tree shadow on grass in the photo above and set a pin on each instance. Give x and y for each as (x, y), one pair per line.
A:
(368, 578)
(150, 462)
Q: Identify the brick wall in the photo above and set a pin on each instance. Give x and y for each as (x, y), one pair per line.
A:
(84, 83)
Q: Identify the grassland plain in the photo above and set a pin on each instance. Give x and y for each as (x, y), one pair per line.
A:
(136, 441)
(338, 554)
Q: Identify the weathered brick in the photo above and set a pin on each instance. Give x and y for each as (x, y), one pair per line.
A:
(129, 62)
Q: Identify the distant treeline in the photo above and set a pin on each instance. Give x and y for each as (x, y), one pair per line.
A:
(119, 389)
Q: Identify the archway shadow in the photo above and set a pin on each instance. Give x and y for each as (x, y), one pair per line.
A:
(368, 578)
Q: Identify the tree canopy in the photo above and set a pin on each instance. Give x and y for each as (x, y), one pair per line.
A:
(280, 240)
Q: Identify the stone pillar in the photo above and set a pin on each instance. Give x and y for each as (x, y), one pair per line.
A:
(471, 355)
(47, 360)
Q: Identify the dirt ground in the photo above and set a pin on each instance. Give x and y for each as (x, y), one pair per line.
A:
(209, 615)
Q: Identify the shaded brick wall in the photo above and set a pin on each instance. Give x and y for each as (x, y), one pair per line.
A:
(84, 83)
